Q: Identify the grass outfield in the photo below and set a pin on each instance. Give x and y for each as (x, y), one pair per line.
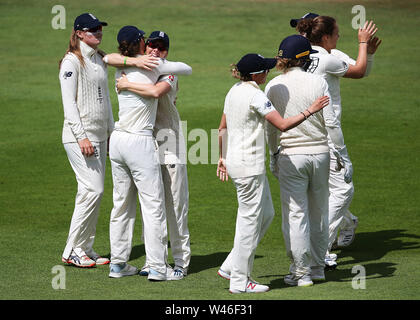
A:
(380, 123)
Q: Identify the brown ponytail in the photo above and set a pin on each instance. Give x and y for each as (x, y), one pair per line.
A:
(129, 49)
(74, 47)
(315, 29)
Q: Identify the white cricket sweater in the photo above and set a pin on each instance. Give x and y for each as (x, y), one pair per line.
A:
(291, 93)
(85, 95)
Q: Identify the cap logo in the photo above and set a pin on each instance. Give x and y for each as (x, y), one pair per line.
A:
(161, 34)
(92, 16)
(261, 56)
(302, 54)
(280, 53)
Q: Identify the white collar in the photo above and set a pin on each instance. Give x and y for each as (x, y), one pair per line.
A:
(320, 49)
(86, 50)
(252, 83)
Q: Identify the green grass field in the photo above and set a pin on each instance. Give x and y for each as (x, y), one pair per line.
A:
(380, 123)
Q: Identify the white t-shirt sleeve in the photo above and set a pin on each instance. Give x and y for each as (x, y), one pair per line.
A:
(169, 67)
(68, 81)
(336, 66)
(343, 56)
(261, 104)
(170, 79)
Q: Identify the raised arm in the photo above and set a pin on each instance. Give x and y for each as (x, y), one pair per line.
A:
(146, 90)
(146, 62)
(365, 34)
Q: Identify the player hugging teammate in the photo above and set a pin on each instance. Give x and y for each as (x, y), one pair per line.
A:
(298, 116)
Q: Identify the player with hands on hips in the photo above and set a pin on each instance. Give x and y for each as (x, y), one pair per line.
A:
(241, 134)
(88, 123)
(330, 63)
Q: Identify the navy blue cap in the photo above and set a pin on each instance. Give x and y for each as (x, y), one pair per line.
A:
(295, 47)
(253, 63)
(87, 21)
(130, 34)
(159, 35)
(310, 15)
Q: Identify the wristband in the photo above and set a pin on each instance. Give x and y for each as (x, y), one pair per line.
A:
(125, 61)
(363, 42)
(304, 115)
(310, 114)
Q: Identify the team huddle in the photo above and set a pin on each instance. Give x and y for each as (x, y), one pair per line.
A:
(298, 117)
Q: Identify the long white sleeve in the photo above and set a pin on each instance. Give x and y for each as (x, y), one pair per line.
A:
(170, 67)
(68, 81)
(332, 122)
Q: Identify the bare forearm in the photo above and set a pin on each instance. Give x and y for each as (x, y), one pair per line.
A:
(142, 89)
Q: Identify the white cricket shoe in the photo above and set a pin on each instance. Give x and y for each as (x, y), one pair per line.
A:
(170, 274)
(304, 281)
(331, 256)
(317, 274)
(79, 261)
(100, 261)
(330, 263)
(174, 274)
(346, 238)
(252, 286)
(181, 269)
(144, 270)
(223, 274)
(122, 270)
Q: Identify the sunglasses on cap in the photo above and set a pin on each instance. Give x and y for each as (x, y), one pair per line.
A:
(93, 30)
(156, 45)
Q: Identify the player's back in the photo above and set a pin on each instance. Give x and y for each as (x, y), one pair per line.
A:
(292, 93)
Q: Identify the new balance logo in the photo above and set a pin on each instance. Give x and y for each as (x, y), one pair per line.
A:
(252, 286)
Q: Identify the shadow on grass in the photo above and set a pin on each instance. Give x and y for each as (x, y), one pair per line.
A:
(365, 250)
(200, 263)
(137, 252)
(369, 246)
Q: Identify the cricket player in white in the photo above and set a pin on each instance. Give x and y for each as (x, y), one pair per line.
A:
(88, 122)
(349, 222)
(332, 64)
(246, 108)
(172, 152)
(300, 160)
(136, 169)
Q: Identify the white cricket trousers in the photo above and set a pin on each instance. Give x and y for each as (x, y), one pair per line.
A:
(90, 176)
(255, 214)
(136, 171)
(341, 195)
(304, 195)
(175, 181)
